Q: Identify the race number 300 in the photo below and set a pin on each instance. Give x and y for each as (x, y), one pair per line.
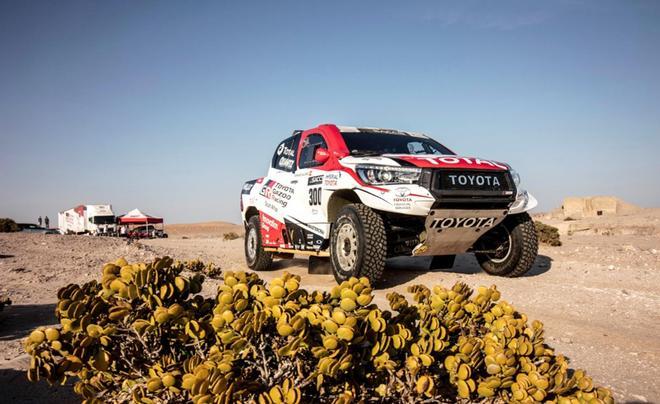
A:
(314, 196)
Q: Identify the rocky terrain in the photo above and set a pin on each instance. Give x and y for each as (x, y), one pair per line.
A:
(598, 294)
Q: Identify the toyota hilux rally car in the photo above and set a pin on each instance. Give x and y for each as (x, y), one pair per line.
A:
(362, 195)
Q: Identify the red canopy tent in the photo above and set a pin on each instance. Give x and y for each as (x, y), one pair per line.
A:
(136, 217)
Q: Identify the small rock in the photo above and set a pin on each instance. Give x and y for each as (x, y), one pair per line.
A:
(639, 398)
(610, 267)
(566, 340)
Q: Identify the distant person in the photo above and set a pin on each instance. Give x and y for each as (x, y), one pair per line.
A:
(39, 221)
(47, 222)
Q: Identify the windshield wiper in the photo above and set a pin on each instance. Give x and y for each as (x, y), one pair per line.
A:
(365, 153)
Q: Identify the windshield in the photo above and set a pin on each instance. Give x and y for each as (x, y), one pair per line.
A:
(375, 143)
(102, 219)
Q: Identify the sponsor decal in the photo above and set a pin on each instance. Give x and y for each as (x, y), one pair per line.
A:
(316, 180)
(271, 230)
(331, 179)
(279, 193)
(402, 199)
(403, 205)
(271, 206)
(462, 160)
(479, 180)
(315, 229)
(247, 187)
(401, 192)
(285, 163)
(462, 222)
(306, 226)
(286, 157)
(268, 223)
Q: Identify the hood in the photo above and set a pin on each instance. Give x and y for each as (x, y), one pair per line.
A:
(447, 161)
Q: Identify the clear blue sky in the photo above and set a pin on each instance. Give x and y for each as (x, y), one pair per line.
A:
(170, 106)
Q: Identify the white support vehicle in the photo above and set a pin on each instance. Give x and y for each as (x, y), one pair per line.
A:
(362, 195)
(87, 219)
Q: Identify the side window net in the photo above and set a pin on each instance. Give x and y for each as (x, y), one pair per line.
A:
(310, 144)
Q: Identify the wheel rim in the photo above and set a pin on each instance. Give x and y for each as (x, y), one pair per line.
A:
(346, 247)
(251, 244)
(504, 250)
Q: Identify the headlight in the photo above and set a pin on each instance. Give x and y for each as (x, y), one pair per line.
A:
(515, 176)
(381, 175)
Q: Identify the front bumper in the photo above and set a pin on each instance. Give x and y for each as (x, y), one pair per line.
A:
(454, 231)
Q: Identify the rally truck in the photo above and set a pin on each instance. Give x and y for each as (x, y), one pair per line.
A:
(359, 196)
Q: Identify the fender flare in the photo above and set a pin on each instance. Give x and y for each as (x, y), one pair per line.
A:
(337, 200)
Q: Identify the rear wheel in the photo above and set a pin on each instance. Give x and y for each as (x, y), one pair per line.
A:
(515, 247)
(358, 244)
(257, 259)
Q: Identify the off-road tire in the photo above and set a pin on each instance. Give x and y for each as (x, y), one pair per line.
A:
(261, 260)
(371, 243)
(523, 248)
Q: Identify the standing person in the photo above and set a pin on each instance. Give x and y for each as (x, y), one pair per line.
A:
(46, 222)
(39, 221)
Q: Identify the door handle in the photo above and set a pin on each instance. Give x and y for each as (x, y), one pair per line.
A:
(294, 182)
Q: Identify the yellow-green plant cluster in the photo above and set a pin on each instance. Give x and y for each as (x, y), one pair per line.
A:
(144, 334)
(209, 269)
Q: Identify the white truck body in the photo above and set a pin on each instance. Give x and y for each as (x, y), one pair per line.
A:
(87, 219)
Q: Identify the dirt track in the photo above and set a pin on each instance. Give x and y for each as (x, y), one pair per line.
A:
(598, 295)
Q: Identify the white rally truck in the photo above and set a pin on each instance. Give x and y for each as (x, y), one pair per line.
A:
(362, 195)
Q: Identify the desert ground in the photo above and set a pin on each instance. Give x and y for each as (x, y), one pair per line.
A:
(598, 294)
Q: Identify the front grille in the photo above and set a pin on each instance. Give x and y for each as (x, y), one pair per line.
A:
(473, 181)
(473, 188)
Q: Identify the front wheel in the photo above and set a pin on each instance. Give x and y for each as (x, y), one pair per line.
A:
(257, 259)
(515, 245)
(358, 244)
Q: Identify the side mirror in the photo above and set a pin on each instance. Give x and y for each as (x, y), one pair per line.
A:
(321, 155)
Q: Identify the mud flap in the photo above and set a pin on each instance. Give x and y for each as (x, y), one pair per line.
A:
(454, 231)
(319, 266)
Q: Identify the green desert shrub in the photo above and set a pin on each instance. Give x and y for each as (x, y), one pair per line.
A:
(144, 334)
(8, 225)
(231, 236)
(547, 234)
